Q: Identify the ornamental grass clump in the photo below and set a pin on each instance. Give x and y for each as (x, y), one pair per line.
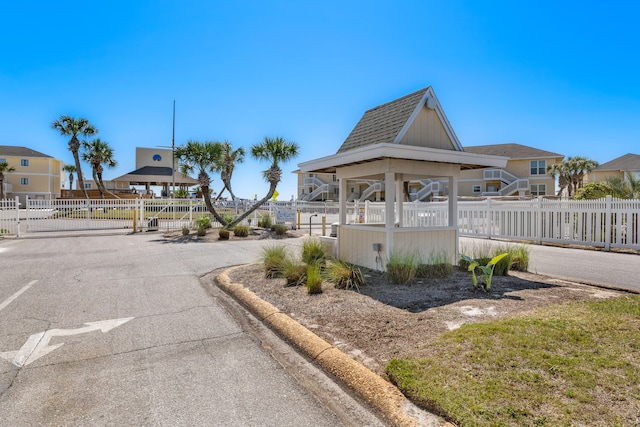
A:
(438, 265)
(402, 267)
(223, 233)
(280, 229)
(265, 221)
(241, 230)
(313, 252)
(343, 275)
(293, 271)
(273, 257)
(314, 279)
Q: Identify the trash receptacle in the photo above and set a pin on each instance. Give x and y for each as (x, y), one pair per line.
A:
(334, 229)
(152, 225)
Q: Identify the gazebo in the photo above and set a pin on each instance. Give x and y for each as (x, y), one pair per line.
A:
(403, 140)
(158, 176)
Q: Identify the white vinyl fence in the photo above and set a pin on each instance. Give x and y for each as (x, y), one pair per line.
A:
(606, 223)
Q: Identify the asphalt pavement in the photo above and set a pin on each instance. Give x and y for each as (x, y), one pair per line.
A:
(119, 330)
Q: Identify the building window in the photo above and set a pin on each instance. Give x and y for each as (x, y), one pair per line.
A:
(538, 189)
(24, 181)
(334, 178)
(3, 160)
(24, 162)
(538, 167)
(87, 185)
(476, 188)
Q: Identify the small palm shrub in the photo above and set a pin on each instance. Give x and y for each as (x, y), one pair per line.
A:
(313, 252)
(402, 267)
(202, 231)
(273, 257)
(241, 230)
(204, 222)
(295, 272)
(228, 218)
(343, 275)
(223, 233)
(185, 230)
(314, 279)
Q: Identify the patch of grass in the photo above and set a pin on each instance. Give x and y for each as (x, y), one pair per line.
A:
(241, 230)
(314, 279)
(571, 364)
(402, 266)
(272, 258)
(313, 252)
(343, 275)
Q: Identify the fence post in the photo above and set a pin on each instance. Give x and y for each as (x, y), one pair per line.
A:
(17, 216)
(607, 228)
(489, 219)
(539, 221)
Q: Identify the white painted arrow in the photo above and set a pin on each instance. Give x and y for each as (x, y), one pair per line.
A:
(37, 345)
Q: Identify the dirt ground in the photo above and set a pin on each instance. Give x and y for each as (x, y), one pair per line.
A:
(385, 321)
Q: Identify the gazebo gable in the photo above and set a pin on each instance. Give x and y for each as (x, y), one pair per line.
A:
(416, 120)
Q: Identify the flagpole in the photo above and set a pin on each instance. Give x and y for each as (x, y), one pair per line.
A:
(173, 151)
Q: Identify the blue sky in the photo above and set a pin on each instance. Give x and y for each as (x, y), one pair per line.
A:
(559, 76)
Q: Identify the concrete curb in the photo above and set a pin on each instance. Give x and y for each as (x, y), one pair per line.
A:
(380, 394)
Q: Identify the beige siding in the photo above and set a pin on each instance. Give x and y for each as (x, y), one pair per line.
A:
(356, 243)
(44, 175)
(427, 131)
(600, 176)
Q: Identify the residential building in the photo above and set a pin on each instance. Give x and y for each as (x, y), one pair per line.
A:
(524, 175)
(36, 175)
(616, 167)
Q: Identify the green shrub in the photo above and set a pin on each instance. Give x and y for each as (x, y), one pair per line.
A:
(402, 267)
(204, 221)
(265, 221)
(313, 252)
(185, 230)
(223, 233)
(241, 230)
(202, 231)
(280, 229)
(295, 272)
(314, 279)
(343, 275)
(273, 257)
(228, 218)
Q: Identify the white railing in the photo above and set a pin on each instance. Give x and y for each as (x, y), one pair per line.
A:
(606, 223)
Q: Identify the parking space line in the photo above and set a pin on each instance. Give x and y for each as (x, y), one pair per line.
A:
(16, 295)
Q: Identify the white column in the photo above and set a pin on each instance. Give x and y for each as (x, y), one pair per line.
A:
(453, 213)
(400, 200)
(342, 200)
(389, 204)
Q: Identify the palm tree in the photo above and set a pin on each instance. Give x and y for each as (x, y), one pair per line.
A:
(4, 168)
(561, 171)
(579, 166)
(624, 188)
(71, 169)
(228, 159)
(68, 125)
(275, 150)
(98, 153)
(203, 157)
